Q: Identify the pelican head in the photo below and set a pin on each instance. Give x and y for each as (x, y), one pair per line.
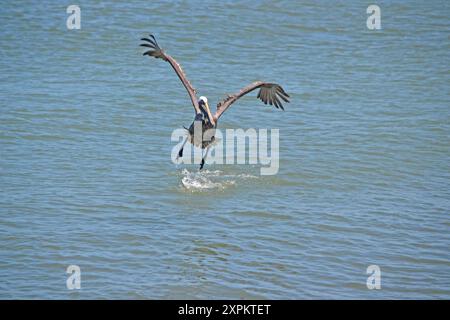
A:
(202, 100)
(203, 103)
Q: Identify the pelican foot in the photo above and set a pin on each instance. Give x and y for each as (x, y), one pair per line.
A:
(202, 164)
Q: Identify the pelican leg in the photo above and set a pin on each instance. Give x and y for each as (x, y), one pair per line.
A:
(180, 153)
(204, 158)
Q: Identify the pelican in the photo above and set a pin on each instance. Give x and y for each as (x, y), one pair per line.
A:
(271, 93)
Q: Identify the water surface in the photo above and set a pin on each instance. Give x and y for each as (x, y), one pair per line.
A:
(86, 176)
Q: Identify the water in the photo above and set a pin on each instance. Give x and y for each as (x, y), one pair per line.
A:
(86, 176)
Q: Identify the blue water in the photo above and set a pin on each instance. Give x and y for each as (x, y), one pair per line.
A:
(86, 176)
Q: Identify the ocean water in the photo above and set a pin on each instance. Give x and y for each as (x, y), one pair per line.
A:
(86, 177)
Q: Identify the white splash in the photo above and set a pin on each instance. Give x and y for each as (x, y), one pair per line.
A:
(210, 179)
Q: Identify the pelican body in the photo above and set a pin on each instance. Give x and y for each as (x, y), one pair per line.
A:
(205, 121)
(205, 137)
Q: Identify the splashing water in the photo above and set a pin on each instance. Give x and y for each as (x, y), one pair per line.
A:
(210, 179)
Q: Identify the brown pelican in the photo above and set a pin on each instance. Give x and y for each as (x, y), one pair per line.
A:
(271, 93)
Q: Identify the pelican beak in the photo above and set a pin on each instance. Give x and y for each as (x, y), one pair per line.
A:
(211, 118)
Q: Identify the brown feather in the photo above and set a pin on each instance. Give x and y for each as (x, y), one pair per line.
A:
(157, 52)
(269, 93)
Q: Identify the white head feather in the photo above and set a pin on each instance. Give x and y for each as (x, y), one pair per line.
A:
(202, 98)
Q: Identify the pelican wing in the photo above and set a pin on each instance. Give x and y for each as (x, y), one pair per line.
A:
(269, 93)
(157, 52)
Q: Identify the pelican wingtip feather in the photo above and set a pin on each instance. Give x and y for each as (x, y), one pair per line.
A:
(152, 44)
